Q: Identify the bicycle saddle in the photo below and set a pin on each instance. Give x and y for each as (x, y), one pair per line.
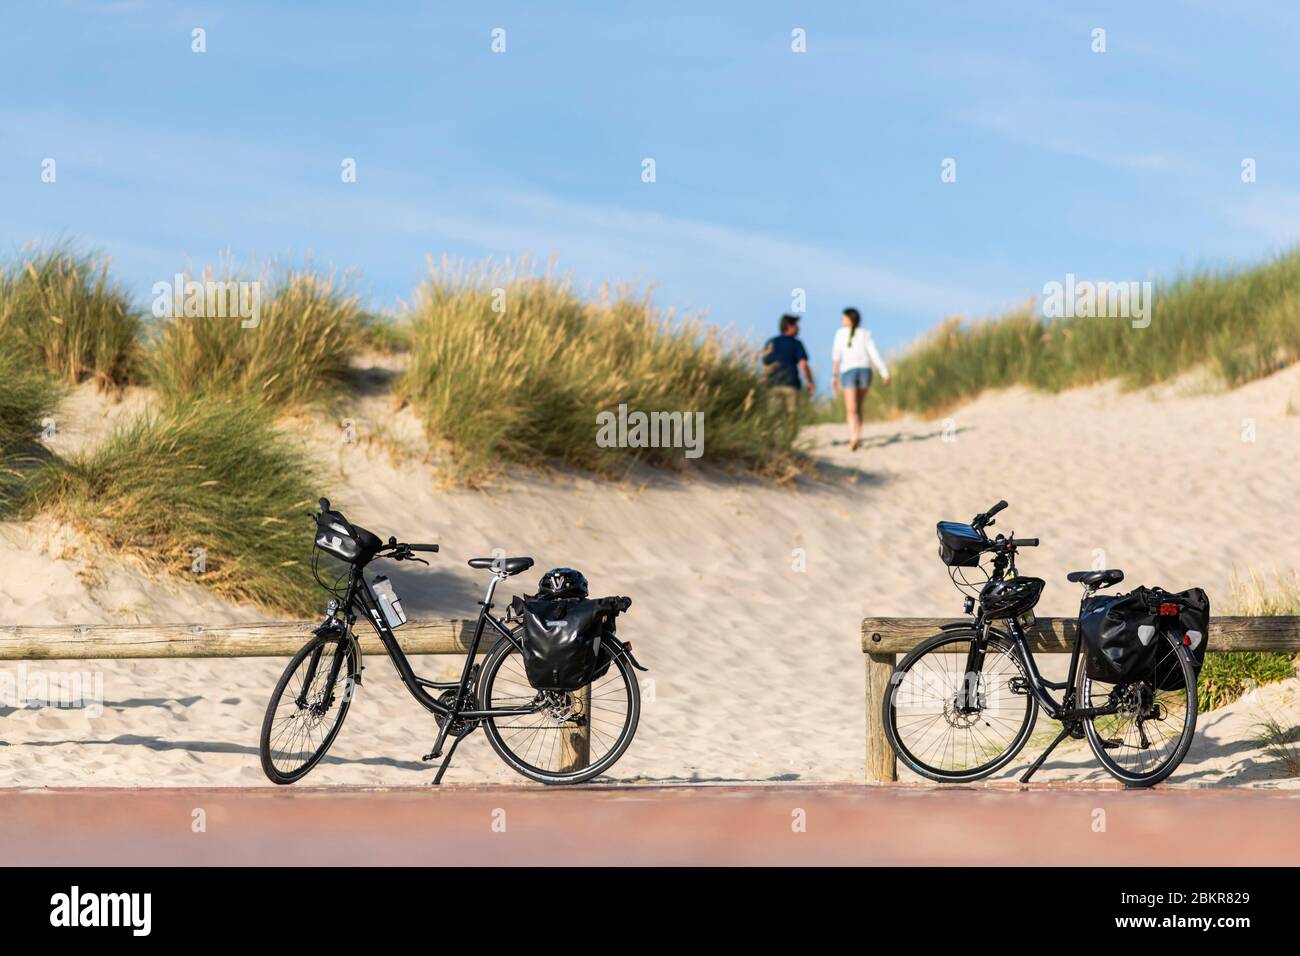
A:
(506, 565)
(1096, 579)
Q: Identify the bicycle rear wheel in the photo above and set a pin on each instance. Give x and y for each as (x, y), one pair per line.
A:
(574, 736)
(927, 725)
(1146, 740)
(307, 707)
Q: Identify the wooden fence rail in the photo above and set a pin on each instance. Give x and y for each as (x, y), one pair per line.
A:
(278, 639)
(885, 637)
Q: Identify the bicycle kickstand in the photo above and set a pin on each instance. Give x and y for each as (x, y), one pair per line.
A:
(446, 761)
(1033, 769)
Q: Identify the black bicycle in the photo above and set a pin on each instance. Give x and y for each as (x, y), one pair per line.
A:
(553, 737)
(964, 702)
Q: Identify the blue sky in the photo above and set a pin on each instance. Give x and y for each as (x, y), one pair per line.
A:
(775, 170)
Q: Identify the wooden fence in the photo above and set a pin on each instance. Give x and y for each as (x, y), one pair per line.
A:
(278, 639)
(885, 637)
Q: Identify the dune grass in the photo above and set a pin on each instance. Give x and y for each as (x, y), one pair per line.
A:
(1241, 324)
(519, 375)
(385, 333)
(27, 396)
(295, 355)
(203, 475)
(1226, 677)
(1280, 742)
(61, 311)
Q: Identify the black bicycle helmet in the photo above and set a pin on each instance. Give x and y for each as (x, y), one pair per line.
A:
(562, 583)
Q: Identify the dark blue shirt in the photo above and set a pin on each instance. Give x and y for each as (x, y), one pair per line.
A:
(781, 357)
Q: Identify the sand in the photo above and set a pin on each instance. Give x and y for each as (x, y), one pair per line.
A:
(747, 597)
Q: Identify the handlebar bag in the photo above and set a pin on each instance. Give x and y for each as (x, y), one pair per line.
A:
(960, 544)
(564, 641)
(1119, 635)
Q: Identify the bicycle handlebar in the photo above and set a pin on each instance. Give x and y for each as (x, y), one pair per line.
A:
(981, 520)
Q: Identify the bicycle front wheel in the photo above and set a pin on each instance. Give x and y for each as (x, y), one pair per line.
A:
(955, 727)
(307, 708)
(574, 736)
(1148, 736)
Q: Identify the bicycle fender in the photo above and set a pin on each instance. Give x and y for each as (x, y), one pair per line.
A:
(625, 648)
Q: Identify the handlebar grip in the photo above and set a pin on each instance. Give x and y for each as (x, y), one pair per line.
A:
(324, 505)
(422, 547)
(996, 508)
(1024, 542)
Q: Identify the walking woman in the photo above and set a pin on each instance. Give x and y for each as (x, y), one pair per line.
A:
(854, 354)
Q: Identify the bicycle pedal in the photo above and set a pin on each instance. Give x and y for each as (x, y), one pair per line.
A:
(1112, 743)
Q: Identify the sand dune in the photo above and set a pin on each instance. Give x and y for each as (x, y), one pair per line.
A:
(747, 597)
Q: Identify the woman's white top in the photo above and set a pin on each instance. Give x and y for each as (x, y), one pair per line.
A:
(859, 353)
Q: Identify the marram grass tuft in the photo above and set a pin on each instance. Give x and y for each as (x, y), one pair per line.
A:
(206, 484)
(293, 353)
(510, 367)
(1241, 324)
(60, 311)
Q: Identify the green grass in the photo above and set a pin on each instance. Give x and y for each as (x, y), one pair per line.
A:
(61, 311)
(27, 396)
(1226, 677)
(385, 333)
(296, 355)
(1241, 323)
(525, 385)
(210, 475)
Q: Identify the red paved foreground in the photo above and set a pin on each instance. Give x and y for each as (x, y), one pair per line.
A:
(843, 824)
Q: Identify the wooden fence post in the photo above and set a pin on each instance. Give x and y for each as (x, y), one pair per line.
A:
(575, 744)
(882, 766)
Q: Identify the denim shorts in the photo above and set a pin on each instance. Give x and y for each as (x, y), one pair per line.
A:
(856, 378)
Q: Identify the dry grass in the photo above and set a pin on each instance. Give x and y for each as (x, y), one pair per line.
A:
(1240, 324)
(60, 311)
(1226, 677)
(308, 325)
(511, 367)
(1280, 742)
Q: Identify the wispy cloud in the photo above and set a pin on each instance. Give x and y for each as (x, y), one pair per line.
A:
(1095, 130)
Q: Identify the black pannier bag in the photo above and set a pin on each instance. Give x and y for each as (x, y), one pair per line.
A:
(1123, 634)
(960, 545)
(1119, 635)
(568, 643)
(1192, 628)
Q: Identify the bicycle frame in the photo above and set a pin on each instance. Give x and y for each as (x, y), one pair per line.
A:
(1063, 709)
(361, 598)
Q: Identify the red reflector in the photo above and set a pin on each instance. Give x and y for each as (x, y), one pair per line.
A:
(1168, 609)
(1187, 641)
